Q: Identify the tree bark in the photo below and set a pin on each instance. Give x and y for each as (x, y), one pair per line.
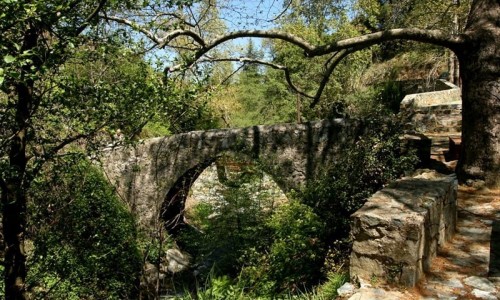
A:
(16, 183)
(14, 203)
(479, 60)
(14, 224)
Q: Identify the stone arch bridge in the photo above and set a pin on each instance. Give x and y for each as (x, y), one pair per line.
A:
(154, 176)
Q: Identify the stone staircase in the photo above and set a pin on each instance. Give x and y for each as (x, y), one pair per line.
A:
(437, 115)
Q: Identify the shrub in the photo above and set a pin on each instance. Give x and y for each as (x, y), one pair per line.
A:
(375, 159)
(296, 253)
(84, 239)
(228, 226)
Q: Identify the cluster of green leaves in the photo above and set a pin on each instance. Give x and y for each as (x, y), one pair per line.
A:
(230, 225)
(108, 88)
(293, 257)
(95, 90)
(262, 249)
(83, 237)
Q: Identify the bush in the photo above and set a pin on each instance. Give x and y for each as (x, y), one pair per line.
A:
(375, 159)
(228, 226)
(84, 239)
(295, 255)
(264, 251)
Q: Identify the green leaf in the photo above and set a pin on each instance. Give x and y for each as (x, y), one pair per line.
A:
(9, 59)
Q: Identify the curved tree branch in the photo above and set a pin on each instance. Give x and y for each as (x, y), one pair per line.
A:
(436, 37)
(335, 60)
(149, 34)
(340, 48)
(90, 17)
(269, 34)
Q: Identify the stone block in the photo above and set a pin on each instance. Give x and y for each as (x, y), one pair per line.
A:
(399, 229)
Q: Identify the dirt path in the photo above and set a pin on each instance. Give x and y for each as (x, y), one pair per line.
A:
(468, 267)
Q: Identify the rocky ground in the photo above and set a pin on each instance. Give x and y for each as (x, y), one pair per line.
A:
(468, 267)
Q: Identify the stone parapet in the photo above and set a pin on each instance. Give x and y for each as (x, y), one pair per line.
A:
(434, 112)
(399, 229)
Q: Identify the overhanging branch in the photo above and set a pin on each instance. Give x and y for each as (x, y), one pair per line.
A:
(436, 37)
(340, 48)
(247, 60)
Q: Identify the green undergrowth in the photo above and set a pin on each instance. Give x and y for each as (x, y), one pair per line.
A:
(298, 249)
(225, 288)
(82, 239)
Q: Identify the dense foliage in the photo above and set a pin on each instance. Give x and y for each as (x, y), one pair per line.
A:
(255, 242)
(83, 240)
(248, 247)
(377, 158)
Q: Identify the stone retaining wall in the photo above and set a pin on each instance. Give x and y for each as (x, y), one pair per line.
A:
(434, 112)
(399, 229)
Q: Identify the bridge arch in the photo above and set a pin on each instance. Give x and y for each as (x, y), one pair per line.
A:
(156, 169)
(226, 164)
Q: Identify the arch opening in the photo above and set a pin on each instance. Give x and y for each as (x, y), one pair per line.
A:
(207, 182)
(217, 209)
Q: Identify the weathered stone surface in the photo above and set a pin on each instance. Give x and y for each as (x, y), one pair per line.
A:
(480, 283)
(290, 153)
(346, 289)
(448, 96)
(434, 112)
(177, 261)
(398, 230)
(480, 294)
(454, 283)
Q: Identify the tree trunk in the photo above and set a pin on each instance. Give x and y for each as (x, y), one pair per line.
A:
(14, 204)
(479, 61)
(16, 182)
(14, 222)
(14, 200)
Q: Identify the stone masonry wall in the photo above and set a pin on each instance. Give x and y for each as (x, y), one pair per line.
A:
(291, 153)
(399, 229)
(434, 112)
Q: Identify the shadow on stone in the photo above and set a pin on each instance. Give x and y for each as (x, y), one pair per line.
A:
(495, 250)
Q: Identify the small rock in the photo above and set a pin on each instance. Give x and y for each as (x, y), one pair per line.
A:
(483, 295)
(446, 297)
(364, 284)
(480, 283)
(378, 294)
(454, 283)
(346, 290)
(177, 261)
